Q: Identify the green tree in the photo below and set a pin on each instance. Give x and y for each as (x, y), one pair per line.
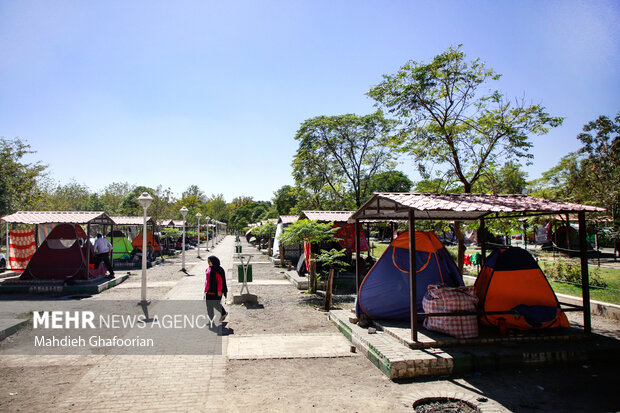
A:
(285, 200)
(601, 166)
(563, 182)
(130, 205)
(19, 181)
(331, 261)
(313, 232)
(509, 179)
(113, 196)
(343, 153)
(249, 214)
(69, 197)
(455, 122)
(216, 208)
(390, 181)
(195, 192)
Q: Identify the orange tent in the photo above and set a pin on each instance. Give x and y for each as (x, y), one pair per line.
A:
(511, 280)
(137, 241)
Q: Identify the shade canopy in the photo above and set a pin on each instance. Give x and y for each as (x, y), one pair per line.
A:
(132, 221)
(326, 216)
(59, 217)
(385, 206)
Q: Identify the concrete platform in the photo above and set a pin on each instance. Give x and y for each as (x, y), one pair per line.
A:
(301, 283)
(11, 326)
(397, 360)
(48, 287)
(245, 299)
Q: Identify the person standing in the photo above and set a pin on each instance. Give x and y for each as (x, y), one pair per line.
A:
(215, 287)
(102, 253)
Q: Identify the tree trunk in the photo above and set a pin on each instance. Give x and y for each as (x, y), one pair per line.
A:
(312, 281)
(327, 304)
(460, 261)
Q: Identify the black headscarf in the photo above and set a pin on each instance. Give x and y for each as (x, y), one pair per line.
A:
(216, 267)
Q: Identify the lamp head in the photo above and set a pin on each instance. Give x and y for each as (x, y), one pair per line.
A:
(145, 200)
(184, 212)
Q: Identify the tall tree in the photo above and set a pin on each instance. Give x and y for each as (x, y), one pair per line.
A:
(113, 196)
(601, 166)
(509, 179)
(344, 152)
(194, 191)
(455, 122)
(390, 181)
(216, 208)
(285, 200)
(19, 187)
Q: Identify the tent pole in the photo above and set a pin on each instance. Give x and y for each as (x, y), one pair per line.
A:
(357, 258)
(585, 282)
(413, 294)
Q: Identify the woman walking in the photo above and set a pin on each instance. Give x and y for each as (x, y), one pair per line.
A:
(215, 287)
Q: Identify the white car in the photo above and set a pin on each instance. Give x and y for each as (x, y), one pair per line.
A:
(2, 263)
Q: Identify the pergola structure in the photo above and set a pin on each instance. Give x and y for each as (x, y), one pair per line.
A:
(37, 218)
(134, 222)
(326, 216)
(410, 207)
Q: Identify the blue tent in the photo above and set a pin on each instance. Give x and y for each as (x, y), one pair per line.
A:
(384, 292)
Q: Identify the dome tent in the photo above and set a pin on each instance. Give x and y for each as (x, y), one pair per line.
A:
(63, 255)
(511, 279)
(384, 292)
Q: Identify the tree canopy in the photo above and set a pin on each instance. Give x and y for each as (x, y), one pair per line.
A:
(454, 122)
(19, 180)
(343, 153)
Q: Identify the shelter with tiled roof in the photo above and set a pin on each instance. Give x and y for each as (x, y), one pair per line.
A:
(386, 206)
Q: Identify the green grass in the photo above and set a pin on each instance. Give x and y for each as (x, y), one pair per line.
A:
(611, 277)
(378, 248)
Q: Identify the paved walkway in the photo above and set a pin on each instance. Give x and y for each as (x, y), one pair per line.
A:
(158, 383)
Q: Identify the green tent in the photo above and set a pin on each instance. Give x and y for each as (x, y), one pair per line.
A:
(122, 245)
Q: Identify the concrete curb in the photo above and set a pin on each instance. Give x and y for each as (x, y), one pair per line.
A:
(13, 328)
(62, 289)
(301, 283)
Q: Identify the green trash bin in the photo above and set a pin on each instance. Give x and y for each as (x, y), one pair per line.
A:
(238, 249)
(240, 273)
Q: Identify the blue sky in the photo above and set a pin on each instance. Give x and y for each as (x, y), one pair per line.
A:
(212, 93)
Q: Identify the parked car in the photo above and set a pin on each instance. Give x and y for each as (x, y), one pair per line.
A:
(2, 263)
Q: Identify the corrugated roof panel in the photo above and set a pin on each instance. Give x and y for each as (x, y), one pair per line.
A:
(326, 216)
(58, 217)
(459, 206)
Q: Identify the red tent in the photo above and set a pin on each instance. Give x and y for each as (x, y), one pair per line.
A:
(64, 254)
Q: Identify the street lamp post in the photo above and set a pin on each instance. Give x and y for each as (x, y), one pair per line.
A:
(145, 200)
(213, 238)
(198, 215)
(183, 214)
(207, 219)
